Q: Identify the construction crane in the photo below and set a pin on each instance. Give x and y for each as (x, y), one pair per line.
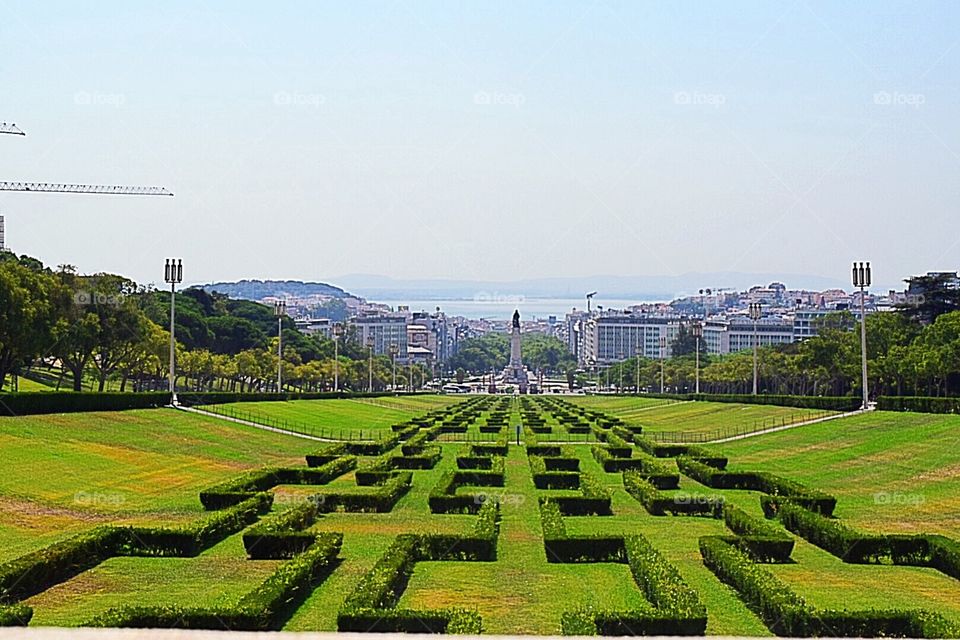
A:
(57, 187)
(11, 129)
(590, 299)
(62, 187)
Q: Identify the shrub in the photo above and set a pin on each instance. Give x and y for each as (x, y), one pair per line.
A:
(787, 614)
(282, 535)
(259, 610)
(24, 404)
(17, 615)
(245, 486)
(382, 500)
(919, 404)
(762, 540)
(34, 572)
(658, 503)
(189, 541)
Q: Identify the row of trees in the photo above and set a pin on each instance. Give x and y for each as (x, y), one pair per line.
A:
(491, 352)
(105, 327)
(905, 357)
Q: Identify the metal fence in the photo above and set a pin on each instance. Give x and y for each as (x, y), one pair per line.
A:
(699, 437)
(316, 431)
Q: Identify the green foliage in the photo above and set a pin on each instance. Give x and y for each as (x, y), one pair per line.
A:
(787, 614)
(919, 404)
(23, 404)
(17, 615)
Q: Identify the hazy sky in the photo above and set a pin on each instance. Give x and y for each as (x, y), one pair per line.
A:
(492, 140)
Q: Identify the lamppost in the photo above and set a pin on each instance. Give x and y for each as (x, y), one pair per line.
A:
(696, 328)
(280, 310)
(620, 366)
(337, 332)
(393, 349)
(173, 275)
(663, 351)
(862, 277)
(370, 364)
(639, 353)
(756, 310)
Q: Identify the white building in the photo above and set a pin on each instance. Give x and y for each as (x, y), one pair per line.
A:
(382, 331)
(729, 335)
(615, 337)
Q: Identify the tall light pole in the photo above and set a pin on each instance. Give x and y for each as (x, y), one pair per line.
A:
(393, 356)
(173, 275)
(337, 332)
(696, 328)
(862, 277)
(756, 311)
(639, 353)
(663, 350)
(280, 310)
(370, 364)
(620, 366)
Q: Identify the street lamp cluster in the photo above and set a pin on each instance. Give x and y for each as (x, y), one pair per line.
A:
(862, 278)
(756, 312)
(280, 310)
(173, 275)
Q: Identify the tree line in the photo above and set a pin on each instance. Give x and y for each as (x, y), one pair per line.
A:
(76, 331)
(914, 350)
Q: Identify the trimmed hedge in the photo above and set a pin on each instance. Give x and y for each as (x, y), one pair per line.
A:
(778, 489)
(282, 535)
(247, 485)
(444, 498)
(787, 614)
(764, 541)
(35, 572)
(17, 615)
(382, 500)
(676, 609)
(657, 503)
(918, 404)
(260, 610)
(25, 404)
(369, 607)
(854, 547)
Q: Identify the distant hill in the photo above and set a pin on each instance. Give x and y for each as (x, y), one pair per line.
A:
(260, 289)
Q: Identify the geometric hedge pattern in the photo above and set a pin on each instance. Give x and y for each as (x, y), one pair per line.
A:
(370, 478)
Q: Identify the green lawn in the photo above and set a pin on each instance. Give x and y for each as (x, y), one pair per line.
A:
(893, 472)
(707, 419)
(65, 473)
(337, 418)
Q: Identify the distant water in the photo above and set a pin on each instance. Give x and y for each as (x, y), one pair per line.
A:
(500, 307)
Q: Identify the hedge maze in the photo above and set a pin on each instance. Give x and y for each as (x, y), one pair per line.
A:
(348, 533)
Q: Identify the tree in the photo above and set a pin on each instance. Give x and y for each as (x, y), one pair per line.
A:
(461, 375)
(28, 314)
(935, 294)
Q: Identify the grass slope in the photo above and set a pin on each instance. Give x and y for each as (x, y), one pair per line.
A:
(707, 418)
(893, 472)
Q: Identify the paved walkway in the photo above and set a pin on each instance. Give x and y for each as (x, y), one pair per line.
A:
(256, 425)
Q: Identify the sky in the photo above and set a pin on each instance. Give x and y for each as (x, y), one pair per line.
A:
(485, 140)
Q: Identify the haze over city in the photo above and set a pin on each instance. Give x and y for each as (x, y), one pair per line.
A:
(488, 141)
